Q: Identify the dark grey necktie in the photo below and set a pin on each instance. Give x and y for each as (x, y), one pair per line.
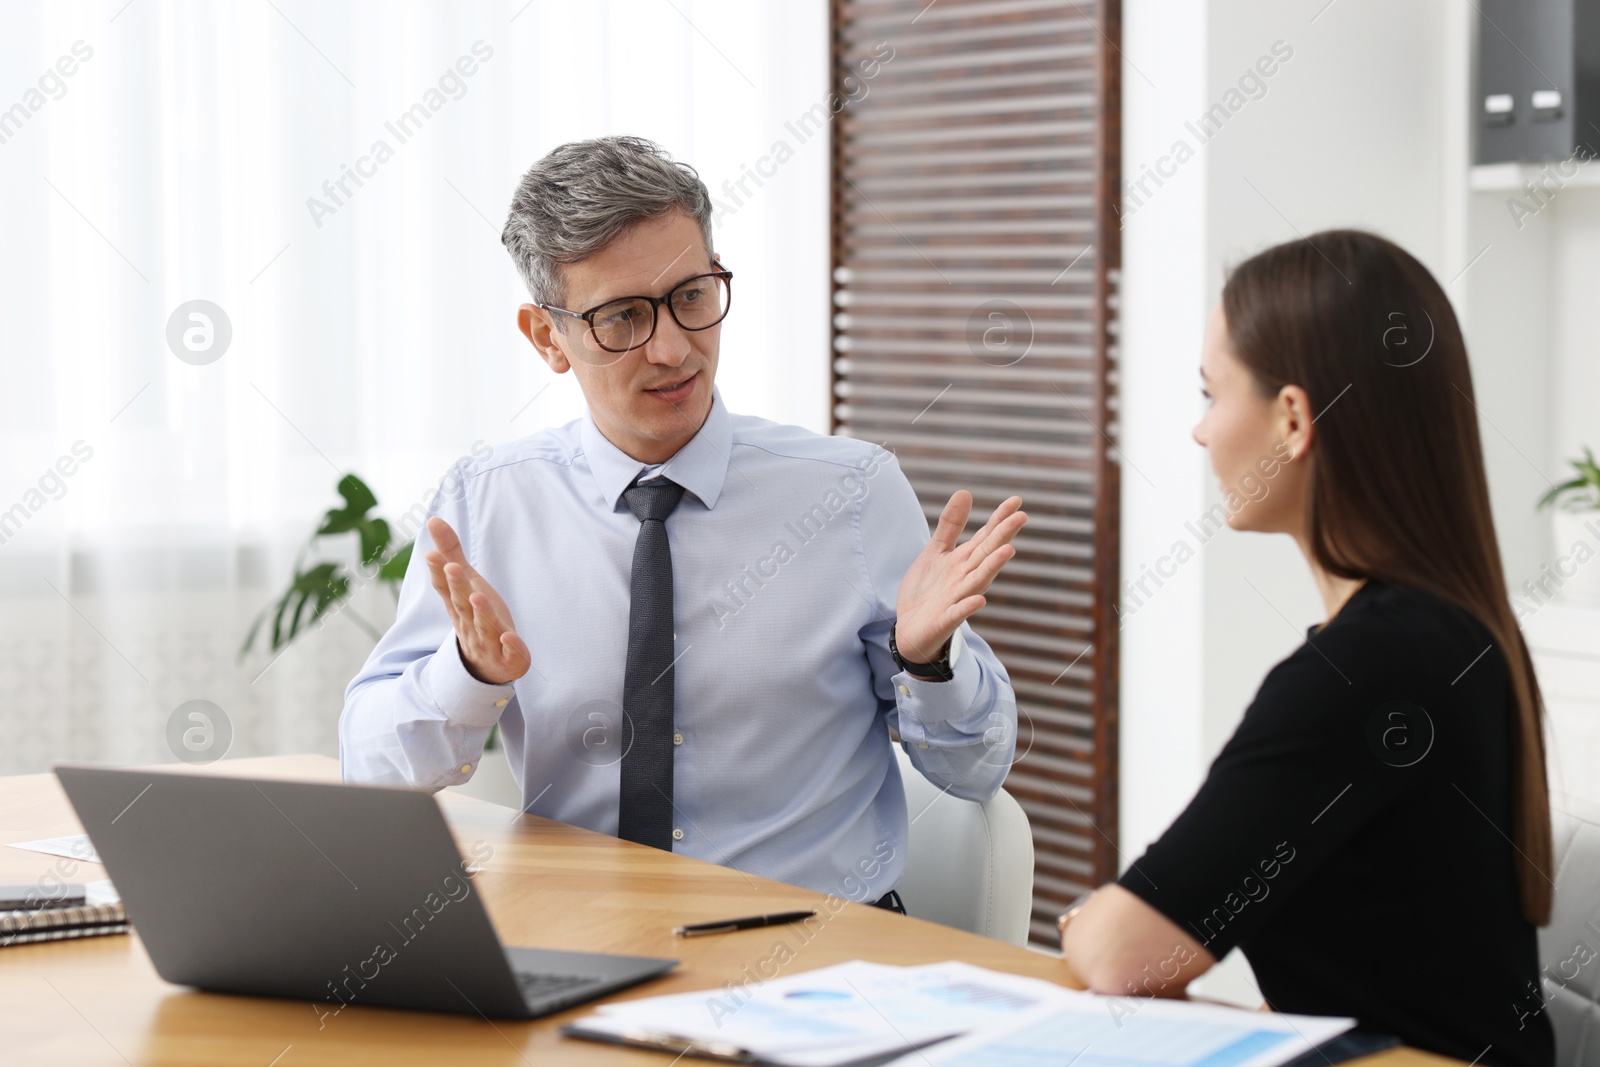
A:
(644, 813)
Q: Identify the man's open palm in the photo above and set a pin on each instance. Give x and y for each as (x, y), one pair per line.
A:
(945, 584)
(490, 647)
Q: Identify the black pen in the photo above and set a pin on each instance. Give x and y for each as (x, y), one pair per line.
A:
(729, 925)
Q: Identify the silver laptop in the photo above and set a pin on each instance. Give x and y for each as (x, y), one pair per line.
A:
(341, 895)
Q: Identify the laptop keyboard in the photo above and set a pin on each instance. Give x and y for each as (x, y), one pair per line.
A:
(537, 987)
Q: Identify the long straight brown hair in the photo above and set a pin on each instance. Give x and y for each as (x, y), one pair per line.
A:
(1396, 490)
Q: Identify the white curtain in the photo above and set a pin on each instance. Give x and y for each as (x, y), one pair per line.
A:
(154, 153)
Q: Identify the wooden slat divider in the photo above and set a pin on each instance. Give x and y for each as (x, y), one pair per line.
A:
(975, 251)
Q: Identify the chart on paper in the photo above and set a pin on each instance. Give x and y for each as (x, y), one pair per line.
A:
(1136, 1036)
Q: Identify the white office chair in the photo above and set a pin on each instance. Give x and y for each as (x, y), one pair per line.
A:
(967, 865)
(1567, 947)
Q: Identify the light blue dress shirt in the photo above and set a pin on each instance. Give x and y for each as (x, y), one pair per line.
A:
(787, 552)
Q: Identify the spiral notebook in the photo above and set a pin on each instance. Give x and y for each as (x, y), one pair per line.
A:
(102, 913)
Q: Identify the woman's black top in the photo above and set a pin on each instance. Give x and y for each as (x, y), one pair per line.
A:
(1353, 837)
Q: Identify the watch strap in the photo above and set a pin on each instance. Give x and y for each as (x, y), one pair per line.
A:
(940, 668)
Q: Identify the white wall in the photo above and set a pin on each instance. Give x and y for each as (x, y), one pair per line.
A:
(1574, 265)
(1163, 308)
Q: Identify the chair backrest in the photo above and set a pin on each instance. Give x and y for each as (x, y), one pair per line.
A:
(1569, 948)
(967, 865)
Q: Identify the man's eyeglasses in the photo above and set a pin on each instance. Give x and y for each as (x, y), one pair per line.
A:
(627, 322)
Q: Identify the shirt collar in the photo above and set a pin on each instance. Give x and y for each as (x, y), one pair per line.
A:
(701, 466)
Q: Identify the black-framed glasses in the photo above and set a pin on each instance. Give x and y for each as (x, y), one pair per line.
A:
(627, 322)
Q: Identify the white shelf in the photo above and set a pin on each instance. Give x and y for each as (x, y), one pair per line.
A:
(1511, 177)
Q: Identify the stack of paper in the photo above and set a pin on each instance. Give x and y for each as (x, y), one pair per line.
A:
(873, 1012)
(835, 1015)
(73, 847)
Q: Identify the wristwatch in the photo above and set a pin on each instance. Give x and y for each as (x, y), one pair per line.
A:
(939, 668)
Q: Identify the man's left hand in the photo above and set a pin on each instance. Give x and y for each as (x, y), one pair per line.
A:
(945, 584)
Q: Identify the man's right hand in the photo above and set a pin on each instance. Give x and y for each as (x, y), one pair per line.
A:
(490, 648)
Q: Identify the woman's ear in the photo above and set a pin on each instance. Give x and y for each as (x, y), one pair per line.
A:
(536, 325)
(1295, 420)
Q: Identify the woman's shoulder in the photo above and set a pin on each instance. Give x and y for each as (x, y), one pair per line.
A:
(1389, 641)
(1393, 620)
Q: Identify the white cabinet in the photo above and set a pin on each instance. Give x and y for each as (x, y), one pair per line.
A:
(1565, 642)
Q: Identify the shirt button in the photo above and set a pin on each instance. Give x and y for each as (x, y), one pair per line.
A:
(904, 691)
(466, 768)
(677, 834)
(677, 739)
(502, 702)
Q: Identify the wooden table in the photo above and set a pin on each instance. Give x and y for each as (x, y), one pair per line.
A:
(547, 884)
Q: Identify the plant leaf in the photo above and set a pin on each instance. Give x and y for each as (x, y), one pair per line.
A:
(1590, 471)
(394, 568)
(358, 500)
(1555, 491)
(325, 585)
(374, 540)
(250, 638)
(356, 494)
(278, 640)
(306, 585)
(335, 591)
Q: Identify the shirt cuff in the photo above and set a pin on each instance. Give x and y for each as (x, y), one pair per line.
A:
(926, 707)
(464, 700)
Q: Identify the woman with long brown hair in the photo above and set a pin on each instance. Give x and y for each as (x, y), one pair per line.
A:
(1375, 836)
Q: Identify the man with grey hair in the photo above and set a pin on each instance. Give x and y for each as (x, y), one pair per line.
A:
(695, 629)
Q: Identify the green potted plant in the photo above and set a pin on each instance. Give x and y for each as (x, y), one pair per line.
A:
(1576, 507)
(321, 586)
